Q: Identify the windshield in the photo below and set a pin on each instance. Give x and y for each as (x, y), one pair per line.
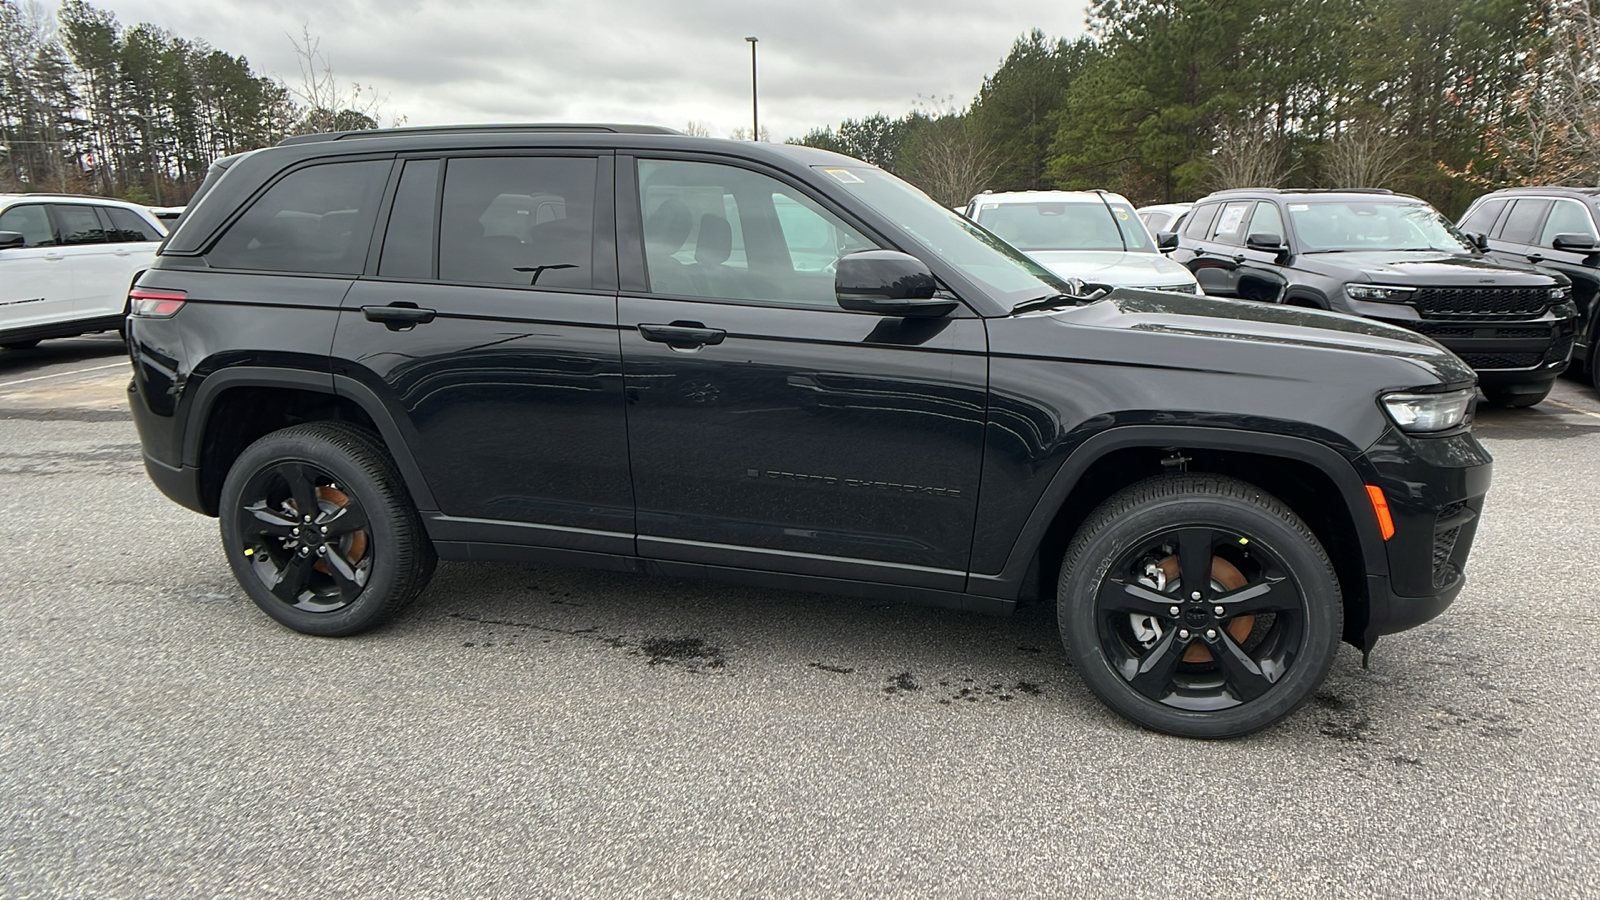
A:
(1325, 226)
(1009, 275)
(1089, 224)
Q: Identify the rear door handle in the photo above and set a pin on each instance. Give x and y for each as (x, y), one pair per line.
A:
(399, 316)
(682, 334)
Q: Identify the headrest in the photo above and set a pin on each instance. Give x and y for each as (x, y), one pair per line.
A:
(669, 226)
(715, 243)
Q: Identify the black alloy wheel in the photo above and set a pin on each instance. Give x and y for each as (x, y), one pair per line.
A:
(320, 531)
(1199, 606)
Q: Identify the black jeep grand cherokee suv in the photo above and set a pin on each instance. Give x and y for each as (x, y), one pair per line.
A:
(768, 364)
(1389, 257)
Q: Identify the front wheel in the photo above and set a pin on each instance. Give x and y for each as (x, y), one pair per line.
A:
(1199, 606)
(320, 531)
(1517, 396)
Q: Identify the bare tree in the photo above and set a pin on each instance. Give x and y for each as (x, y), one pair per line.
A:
(1364, 155)
(330, 105)
(743, 134)
(948, 156)
(1250, 153)
(697, 128)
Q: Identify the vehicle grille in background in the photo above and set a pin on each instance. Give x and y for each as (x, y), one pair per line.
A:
(1559, 350)
(1481, 303)
(1444, 546)
(1501, 360)
(1439, 331)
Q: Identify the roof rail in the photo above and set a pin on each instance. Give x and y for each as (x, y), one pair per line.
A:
(1301, 191)
(510, 128)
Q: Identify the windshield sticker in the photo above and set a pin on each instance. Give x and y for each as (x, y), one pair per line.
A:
(1122, 214)
(1299, 207)
(845, 176)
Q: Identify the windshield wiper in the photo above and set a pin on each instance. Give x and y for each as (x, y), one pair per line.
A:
(1048, 301)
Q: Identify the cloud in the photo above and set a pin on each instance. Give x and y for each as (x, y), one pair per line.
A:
(628, 60)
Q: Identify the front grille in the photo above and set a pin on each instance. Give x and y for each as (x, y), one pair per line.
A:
(1437, 331)
(1501, 360)
(1444, 546)
(1560, 350)
(1481, 303)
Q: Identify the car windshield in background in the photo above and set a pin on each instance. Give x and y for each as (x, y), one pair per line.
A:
(1328, 226)
(1067, 225)
(998, 266)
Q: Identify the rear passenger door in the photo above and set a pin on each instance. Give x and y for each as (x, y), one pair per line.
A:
(487, 327)
(89, 256)
(1221, 249)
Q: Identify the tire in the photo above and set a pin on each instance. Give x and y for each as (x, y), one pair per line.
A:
(1594, 362)
(370, 556)
(1501, 396)
(19, 345)
(1283, 610)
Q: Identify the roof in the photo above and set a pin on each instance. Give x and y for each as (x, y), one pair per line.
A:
(1548, 189)
(1294, 192)
(1046, 196)
(85, 198)
(494, 128)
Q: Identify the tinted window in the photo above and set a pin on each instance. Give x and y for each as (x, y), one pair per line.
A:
(127, 226)
(1566, 217)
(1481, 218)
(1265, 220)
(408, 241)
(1230, 223)
(316, 219)
(1199, 222)
(1156, 221)
(32, 222)
(520, 220)
(78, 224)
(729, 233)
(1522, 223)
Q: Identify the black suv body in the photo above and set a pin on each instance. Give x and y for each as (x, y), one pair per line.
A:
(1554, 229)
(782, 367)
(1392, 258)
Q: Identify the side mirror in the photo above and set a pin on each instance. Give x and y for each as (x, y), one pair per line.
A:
(888, 283)
(1575, 242)
(1479, 240)
(1166, 240)
(10, 239)
(1265, 241)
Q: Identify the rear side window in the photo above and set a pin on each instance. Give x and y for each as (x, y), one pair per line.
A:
(1230, 222)
(78, 224)
(30, 221)
(519, 220)
(317, 220)
(1522, 223)
(1198, 225)
(408, 241)
(128, 227)
(1566, 217)
(1481, 219)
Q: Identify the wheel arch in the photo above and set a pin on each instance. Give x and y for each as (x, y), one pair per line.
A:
(1300, 472)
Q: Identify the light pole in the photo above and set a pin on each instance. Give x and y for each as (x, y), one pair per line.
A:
(755, 115)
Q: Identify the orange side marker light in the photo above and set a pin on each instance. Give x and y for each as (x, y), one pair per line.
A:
(1380, 508)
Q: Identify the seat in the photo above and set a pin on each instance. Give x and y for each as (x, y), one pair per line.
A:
(664, 235)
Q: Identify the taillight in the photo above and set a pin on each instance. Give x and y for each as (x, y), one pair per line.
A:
(152, 304)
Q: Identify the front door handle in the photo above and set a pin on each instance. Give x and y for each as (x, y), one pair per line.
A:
(685, 335)
(1536, 258)
(399, 316)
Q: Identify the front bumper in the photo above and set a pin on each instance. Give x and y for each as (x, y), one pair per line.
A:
(1436, 487)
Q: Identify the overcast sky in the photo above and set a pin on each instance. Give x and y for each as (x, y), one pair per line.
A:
(661, 63)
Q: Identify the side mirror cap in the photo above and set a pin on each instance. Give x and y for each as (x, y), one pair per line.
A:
(1479, 240)
(888, 283)
(1575, 242)
(9, 239)
(1265, 241)
(1166, 240)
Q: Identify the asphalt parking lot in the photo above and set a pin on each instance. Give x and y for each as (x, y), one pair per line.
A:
(561, 732)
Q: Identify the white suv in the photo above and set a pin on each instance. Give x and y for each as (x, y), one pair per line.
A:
(1091, 236)
(66, 263)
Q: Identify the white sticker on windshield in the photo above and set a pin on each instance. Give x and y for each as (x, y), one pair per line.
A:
(845, 176)
(1299, 207)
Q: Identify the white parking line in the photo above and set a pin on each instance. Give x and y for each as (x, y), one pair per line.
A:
(4, 385)
(1575, 409)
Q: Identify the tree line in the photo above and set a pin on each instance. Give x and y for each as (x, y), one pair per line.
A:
(90, 106)
(1165, 100)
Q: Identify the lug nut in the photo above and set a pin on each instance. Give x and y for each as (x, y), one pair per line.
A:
(308, 519)
(325, 531)
(1211, 634)
(322, 551)
(1183, 633)
(1218, 610)
(1173, 611)
(295, 532)
(1193, 596)
(305, 551)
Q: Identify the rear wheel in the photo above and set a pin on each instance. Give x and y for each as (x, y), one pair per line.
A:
(320, 532)
(1516, 396)
(1199, 606)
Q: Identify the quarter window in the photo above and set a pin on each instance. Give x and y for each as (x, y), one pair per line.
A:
(1566, 217)
(519, 220)
(128, 227)
(725, 232)
(79, 224)
(1199, 223)
(317, 219)
(30, 221)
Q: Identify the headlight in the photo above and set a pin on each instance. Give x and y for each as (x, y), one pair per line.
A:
(1420, 413)
(1378, 292)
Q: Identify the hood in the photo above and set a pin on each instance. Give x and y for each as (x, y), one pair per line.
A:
(1264, 340)
(1420, 268)
(1114, 267)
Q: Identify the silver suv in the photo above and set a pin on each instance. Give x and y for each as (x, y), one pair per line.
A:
(66, 263)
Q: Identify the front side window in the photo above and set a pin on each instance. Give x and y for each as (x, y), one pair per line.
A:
(1481, 219)
(724, 232)
(1338, 226)
(1088, 224)
(128, 227)
(525, 220)
(1566, 217)
(79, 224)
(32, 222)
(1522, 222)
(1265, 220)
(316, 220)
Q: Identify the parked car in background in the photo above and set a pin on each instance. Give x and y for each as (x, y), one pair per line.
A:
(66, 263)
(1393, 258)
(1092, 237)
(167, 214)
(1554, 229)
(1164, 216)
